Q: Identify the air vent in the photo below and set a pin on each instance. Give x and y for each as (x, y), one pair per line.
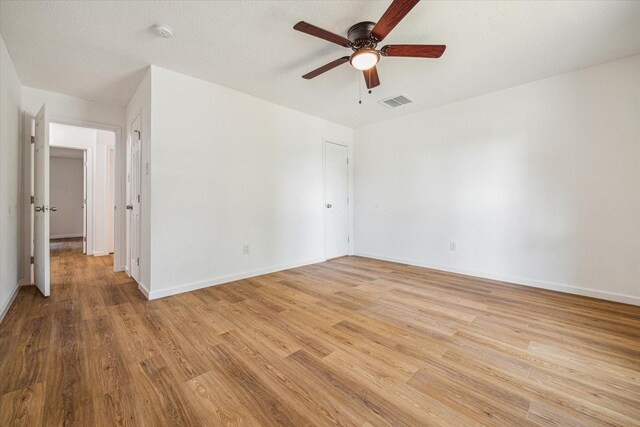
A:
(396, 101)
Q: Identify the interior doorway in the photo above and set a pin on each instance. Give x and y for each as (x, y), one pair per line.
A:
(67, 192)
(71, 172)
(82, 181)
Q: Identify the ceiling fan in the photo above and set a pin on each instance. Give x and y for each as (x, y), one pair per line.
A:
(364, 37)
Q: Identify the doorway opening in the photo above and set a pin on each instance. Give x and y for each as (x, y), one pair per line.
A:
(71, 172)
(68, 194)
(82, 184)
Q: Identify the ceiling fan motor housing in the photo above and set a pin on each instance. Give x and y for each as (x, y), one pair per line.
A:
(360, 35)
(363, 39)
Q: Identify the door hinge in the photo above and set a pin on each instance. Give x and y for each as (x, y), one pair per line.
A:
(33, 200)
(138, 261)
(138, 198)
(33, 139)
(348, 239)
(32, 260)
(347, 160)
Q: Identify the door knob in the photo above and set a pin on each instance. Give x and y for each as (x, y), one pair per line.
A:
(39, 208)
(130, 207)
(54, 209)
(329, 205)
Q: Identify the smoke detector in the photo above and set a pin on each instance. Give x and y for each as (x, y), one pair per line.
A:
(164, 31)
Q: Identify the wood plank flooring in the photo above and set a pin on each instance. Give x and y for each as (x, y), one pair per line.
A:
(350, 342)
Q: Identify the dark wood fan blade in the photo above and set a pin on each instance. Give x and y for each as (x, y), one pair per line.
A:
(323, 34)
(371, 77)
(331, 65)
(391, 18)
(414, 50)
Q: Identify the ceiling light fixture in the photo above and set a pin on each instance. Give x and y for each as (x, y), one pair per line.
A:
(364, 59)
(164, 31)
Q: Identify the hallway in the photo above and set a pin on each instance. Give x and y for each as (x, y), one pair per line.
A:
(68, 331)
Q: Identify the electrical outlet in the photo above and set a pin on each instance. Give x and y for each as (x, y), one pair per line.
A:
(452, 246)
(245, 249)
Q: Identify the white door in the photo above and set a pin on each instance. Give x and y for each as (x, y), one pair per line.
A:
(134, 202)
(336, 190)
(41, 202)
(84, 203)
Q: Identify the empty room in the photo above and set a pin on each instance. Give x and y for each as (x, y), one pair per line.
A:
(320, 213)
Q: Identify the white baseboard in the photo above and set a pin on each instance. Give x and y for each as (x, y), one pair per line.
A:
(7, 305)
(610, 296)
(187, 287)
(64, 236)
(100, 253)
(145, 291)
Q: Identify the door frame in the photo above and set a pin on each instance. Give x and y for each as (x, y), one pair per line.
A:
(350, 228)
(119, 183)
(88, 171)
(27, 185)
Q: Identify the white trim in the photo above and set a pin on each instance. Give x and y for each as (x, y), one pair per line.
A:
(119, 182)
(65, 236)
(142, 288)
(7, 306)
(576, 290)
(187, 287)
(100, 253)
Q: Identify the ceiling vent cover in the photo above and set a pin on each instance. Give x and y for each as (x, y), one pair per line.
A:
(396, 101)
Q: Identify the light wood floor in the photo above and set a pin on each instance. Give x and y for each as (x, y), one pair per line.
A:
(351, 342)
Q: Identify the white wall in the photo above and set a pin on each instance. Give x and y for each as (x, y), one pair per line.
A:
(73, 111)
(66, 193)
(103, 211)
(229, 169)
(538, 184)
(110, 201)
(10, 209)
(69, 108)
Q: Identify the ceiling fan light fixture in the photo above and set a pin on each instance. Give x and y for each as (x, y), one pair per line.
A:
(364, 59)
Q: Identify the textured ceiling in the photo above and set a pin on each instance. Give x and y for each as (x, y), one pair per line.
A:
(99, 50)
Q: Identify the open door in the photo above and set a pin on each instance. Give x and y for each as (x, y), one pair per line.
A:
(41, 203)
(84, 202)
(134, 203)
